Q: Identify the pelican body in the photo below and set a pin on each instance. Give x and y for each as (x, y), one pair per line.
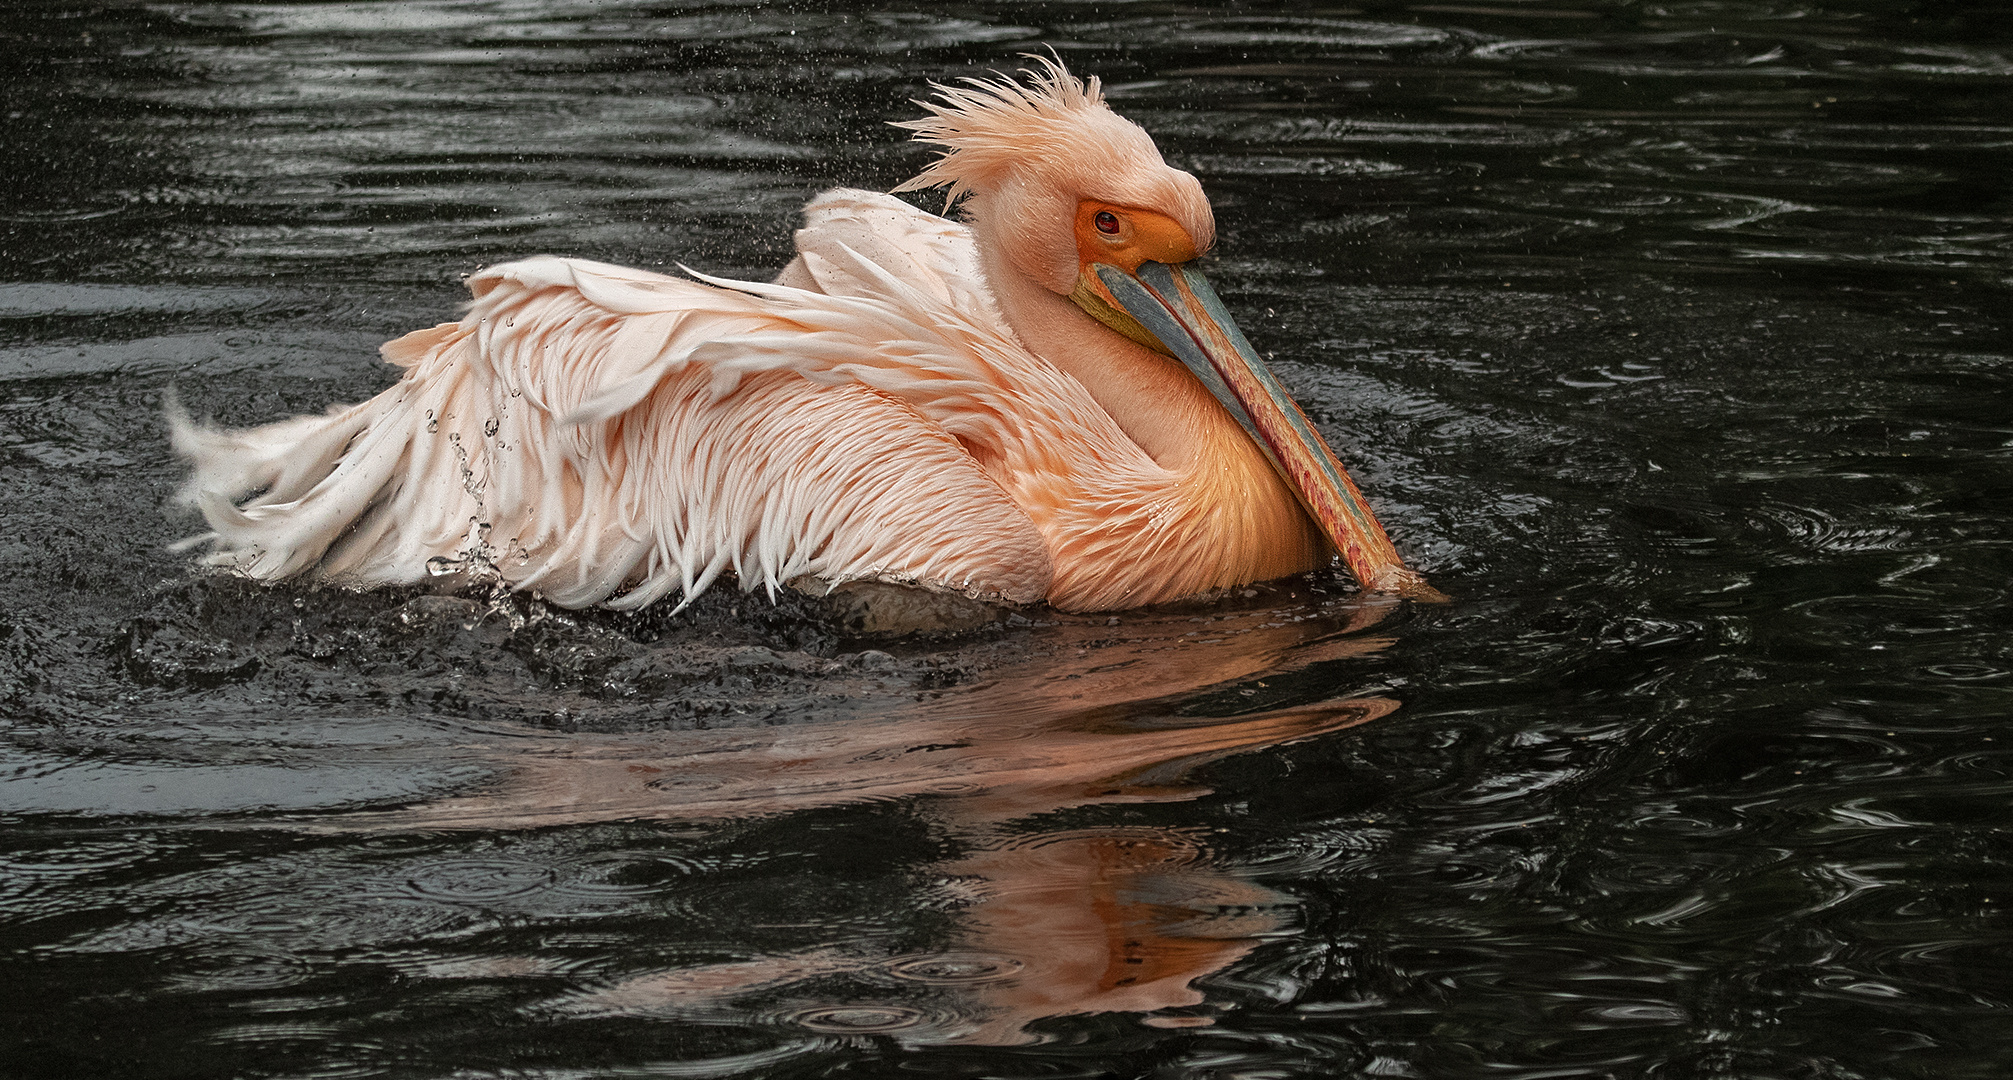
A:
(1043, 402)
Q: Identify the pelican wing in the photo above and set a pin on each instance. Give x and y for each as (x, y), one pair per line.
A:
(933, 255)
(604, 434)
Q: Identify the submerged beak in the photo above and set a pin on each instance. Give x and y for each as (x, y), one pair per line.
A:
(1174, 307)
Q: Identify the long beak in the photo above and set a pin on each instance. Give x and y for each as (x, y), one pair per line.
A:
(1175, 305)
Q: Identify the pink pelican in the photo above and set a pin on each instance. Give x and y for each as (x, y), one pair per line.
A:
(1045, 401)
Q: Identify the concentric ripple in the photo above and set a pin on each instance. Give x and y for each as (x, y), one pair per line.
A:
(954, 969)
(859, 1019)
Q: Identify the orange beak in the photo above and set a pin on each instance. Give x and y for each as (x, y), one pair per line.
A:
(1173, 310)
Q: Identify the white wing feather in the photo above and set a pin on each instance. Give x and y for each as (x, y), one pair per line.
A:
(606, 434)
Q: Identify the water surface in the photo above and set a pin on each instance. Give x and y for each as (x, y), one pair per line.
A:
(1670, 339)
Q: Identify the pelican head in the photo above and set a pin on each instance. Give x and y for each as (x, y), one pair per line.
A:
(1096, 215)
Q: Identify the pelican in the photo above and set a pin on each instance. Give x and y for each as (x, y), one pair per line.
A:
(1044, 401)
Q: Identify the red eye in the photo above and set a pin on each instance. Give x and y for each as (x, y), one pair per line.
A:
(1107, 222)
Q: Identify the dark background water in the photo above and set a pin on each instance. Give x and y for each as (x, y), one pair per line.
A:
(1670, 338)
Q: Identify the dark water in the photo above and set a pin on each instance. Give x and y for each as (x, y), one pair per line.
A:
(1671, 339)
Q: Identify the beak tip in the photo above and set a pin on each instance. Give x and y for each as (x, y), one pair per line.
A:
(1407, 583)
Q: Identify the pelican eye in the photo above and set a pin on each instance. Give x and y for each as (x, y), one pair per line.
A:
(1107, 222)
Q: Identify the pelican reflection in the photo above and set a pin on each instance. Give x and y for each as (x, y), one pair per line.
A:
(1045, 920)
(1052, 922)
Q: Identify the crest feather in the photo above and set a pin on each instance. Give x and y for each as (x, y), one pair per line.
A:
(989, 127)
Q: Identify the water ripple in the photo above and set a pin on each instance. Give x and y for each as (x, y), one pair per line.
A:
(1670, 336)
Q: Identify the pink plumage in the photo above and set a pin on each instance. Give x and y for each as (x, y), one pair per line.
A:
(915, 400)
